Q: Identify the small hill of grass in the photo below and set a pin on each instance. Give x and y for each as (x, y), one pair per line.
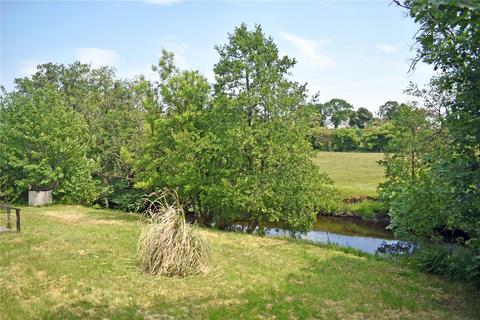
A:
(72, 262)
(354, 173)
(356, 176)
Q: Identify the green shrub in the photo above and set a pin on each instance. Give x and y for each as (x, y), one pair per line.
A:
(453, 262)
(122, 195)
(330, 205)
(320, 138)
(376, 139)
(345, 139)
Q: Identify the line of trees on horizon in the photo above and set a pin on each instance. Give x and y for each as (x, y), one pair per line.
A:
(335, 126)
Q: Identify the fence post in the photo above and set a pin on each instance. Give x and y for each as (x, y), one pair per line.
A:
(17, 213)
(9, 219)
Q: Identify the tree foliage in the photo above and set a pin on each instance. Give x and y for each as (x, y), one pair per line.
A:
(238, 153)
(387, 110)
(177, 143)
(44, 145)
(360, 118)
(338, 110)
(377, 138)
(446, 192)
(345, 139)
(267, 175)
(112, 110)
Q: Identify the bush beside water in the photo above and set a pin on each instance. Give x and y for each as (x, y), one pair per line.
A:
(453, 262)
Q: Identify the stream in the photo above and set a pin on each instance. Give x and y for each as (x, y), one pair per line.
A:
(366, 236)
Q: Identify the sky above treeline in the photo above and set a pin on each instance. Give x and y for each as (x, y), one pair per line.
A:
(356, 50)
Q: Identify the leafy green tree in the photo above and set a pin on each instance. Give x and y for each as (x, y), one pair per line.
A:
(345, 139)
(320, 138)
(113, 111)
(410, 191)
(338, 111)
(436, 98)
(410, 142)
(360, 118)
(264, 172)
(44, 145)
(313, 114)
(387, 110)
(178, 145)
(449, 39)
(378, 137)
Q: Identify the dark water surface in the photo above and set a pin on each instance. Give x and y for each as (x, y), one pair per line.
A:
(355, 233)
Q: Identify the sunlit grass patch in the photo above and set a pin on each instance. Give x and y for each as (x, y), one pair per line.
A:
(356, 176)
(354, 173)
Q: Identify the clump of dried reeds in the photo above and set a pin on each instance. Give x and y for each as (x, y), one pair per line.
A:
(168, 245)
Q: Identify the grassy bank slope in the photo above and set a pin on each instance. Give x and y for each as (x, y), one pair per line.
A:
(73, 262)
(354, 173)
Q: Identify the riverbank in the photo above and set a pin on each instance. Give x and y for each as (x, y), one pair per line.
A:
(368, 209)
(74, 262)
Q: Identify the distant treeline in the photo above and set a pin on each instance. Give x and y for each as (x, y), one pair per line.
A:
(371, 139)
(335, 126)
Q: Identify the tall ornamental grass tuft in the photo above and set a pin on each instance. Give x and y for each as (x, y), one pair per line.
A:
(167, 245)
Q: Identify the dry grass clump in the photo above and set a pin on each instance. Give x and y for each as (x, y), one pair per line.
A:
(168, 245)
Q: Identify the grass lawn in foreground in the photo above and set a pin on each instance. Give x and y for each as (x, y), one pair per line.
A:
(354, 173)
(72, 262)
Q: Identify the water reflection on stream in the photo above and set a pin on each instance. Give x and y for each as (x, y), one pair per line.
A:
(355, 233)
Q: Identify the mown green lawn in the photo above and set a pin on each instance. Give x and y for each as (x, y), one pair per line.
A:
(354, 173)
(72, 262)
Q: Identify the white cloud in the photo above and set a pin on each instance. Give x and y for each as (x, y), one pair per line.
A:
(97, 57)
(388, 48)
(28, 67)
(309, 50)
(135, 68)
(163, 2)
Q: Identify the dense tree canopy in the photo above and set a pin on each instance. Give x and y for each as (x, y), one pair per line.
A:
(267, 173)
(176, 152)
(360, 118)
(112, 110)
(44, 146)
(338, 110)
(449, 39)
(238, 153)
(387, 110)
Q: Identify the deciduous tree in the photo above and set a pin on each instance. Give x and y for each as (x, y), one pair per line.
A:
(266, 172)
(338, 111)
(44, 145)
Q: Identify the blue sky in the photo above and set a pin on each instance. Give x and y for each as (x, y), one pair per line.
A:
(355, 50)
